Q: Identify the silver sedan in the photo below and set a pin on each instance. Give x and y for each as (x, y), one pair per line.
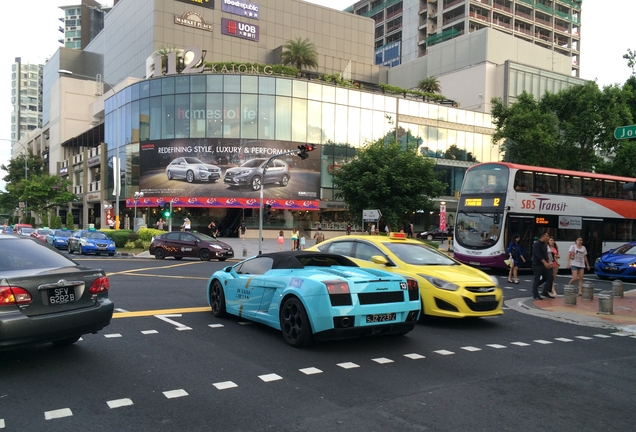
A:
(192, 169)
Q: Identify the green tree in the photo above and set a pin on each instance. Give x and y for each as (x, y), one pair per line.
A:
(631, 60)
(429, 85)
(45, 219)
(525, 131)
(70, 223)
(300, 53)
(387, 177)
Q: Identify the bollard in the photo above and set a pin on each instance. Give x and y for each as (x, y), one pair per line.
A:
(617, 288)
(569, 295)
(588, 291)
(605, 303)
(244, 252)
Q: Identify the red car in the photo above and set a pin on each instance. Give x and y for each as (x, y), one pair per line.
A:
(41, 234)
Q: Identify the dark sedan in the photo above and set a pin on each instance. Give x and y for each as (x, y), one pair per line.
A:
(47, 297)
(90, 241)
(619, 263)
(189, 244)
(435, 233)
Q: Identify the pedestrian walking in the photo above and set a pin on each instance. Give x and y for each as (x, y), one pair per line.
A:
(577, 261)
(294, 237)
(514, 255)
(348, 229)
(387, 230)
(302, 242)
(280, 240)
(411, 231)
(241, 229)
(186, 226)
(542, 267)
(554, 250)
(214, 230)
(319, 236)
(159, 224)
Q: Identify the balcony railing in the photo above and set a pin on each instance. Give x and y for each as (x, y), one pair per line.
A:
(523, 14)
(502, 7)
(95, 186)
(453, 18)
(502, 23)
(78, 190)
(479, 16)
(523, 30)
(452, 3)
(78, 159)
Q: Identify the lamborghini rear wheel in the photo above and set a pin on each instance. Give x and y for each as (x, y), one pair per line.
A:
(294, 323)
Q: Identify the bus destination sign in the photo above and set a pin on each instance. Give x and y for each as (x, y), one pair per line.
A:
(483, 202)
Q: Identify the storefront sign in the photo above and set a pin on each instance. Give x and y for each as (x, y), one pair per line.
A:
(94, 161)
(239, 29)
(64, 171)
(193, 19)
(278, 204)
(92, 197)
(203, 3)
(243, 8)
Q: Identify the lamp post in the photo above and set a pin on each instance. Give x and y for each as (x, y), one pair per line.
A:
(116, 163)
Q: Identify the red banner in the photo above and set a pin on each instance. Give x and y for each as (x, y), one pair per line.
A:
(278, 204)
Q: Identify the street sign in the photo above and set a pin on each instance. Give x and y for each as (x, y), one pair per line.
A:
(371, 215)
(625, 132)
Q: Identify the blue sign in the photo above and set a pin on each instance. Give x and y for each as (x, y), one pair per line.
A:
(242, 8)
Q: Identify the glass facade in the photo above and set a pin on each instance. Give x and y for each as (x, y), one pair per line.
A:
(251, 107)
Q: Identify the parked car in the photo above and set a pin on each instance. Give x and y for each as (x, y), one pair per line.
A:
(315, 296)
(25, 231)
(18, 227)
(435, 233)
(250, 173)
(189, 244)
(7, 230)
(447, 287)
(619, 263)
(192, 169)
(59, 238)
(40, 234)
(47, 297)
(90, 241)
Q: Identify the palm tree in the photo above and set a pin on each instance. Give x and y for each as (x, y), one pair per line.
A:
(429, 85)
(300, 53)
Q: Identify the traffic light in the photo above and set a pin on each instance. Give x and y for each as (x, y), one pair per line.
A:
(165, 211)
(303, 149)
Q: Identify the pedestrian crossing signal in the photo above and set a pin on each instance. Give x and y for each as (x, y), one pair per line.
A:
(303, 149)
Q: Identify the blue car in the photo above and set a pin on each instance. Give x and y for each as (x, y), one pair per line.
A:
(58, 238)
(315, 296)
(90, 241)
(619, 263)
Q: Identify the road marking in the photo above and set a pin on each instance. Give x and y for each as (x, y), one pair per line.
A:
(171, 394)
(507, 287)
(382, 360)
(120, 310)
(170, 276)
(620, 334)
(178, 325)
(147, 332)
(414, 356)
(224, 385)
(310, 371)
(522, 289)
(245, 323)
(270, 377)
(602, 336)
(1, 423)
(215, 325)
(348, 365)
(112, 335)
(583, 337)
(471, 348)
(564, 340)
(496, 346)
(59, 413)
(521, 344)
(160, 312)
(118, 403)
(123, 272)
(443, 352)
(542, 342)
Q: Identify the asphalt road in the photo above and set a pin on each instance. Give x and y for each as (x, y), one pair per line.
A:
(190, 371)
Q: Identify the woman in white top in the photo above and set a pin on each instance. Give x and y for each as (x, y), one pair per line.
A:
(577, 261)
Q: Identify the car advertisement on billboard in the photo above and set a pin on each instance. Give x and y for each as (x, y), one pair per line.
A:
(228, 173)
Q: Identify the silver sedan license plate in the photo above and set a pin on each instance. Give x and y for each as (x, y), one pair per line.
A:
(61, 295)
(381, 317)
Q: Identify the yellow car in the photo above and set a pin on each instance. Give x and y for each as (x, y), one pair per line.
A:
(447, 287)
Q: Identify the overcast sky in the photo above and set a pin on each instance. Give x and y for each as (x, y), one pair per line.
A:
(30, 31)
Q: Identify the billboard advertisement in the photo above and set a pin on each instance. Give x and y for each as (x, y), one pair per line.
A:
(210, 172)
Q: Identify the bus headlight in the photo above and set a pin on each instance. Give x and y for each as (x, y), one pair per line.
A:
(440, 283)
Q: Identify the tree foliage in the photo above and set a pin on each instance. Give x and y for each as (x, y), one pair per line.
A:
(387, 177)
(631, 60)
(300, 53)
(429, 85)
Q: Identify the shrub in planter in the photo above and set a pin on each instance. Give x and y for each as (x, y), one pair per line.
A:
(129, 245)
(120, 237)
(146, 234)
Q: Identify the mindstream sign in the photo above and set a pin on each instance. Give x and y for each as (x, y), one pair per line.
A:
(242, 8)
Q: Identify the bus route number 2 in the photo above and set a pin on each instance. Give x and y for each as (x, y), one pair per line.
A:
(527, 204)
(496, 202)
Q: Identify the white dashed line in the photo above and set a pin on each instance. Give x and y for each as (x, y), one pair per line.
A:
(112, 335)
(1, 423)
(414, 356)
(521, 344)
(245, 323)
(348, 365)
(507, 287)
(543, 342)
(497, 346)
(55, 414)
(183, 328)
(443, 352)
(522, 289)
(225, 385)
(620, 334)
(310, 371)
(171, 394)
(564, 340)
(118, 403)
(270, 377)
(602, 336)
(147, 332)
(120, 310)
(382, 360)
(505, 308)
(215, 325)
(584, 337)
(527, 280)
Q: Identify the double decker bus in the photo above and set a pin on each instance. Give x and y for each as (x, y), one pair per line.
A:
(499, 200)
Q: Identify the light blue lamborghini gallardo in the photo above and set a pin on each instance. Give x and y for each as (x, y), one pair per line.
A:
(315, 296)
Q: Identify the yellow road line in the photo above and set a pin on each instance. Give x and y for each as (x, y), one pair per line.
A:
(159, 312)
(153, 268)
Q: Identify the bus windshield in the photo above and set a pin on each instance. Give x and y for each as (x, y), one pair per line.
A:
(477, 230)
(486, 178)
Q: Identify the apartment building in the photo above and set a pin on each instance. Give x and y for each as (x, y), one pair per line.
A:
(81, 23)
(26, 98)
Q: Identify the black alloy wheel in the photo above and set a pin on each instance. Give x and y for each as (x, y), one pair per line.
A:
(294, 323)
(217, 299)
(204, 254)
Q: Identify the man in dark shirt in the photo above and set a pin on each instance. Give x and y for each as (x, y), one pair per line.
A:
(541, 266)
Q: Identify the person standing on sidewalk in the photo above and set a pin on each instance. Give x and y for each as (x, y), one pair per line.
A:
(577, 261)
(294, 237)
(554, 250)
(542, 267)
(514, 255)
(280, 240)
(214, 231)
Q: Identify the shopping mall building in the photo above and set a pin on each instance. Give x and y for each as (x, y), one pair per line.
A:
(192, 135)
